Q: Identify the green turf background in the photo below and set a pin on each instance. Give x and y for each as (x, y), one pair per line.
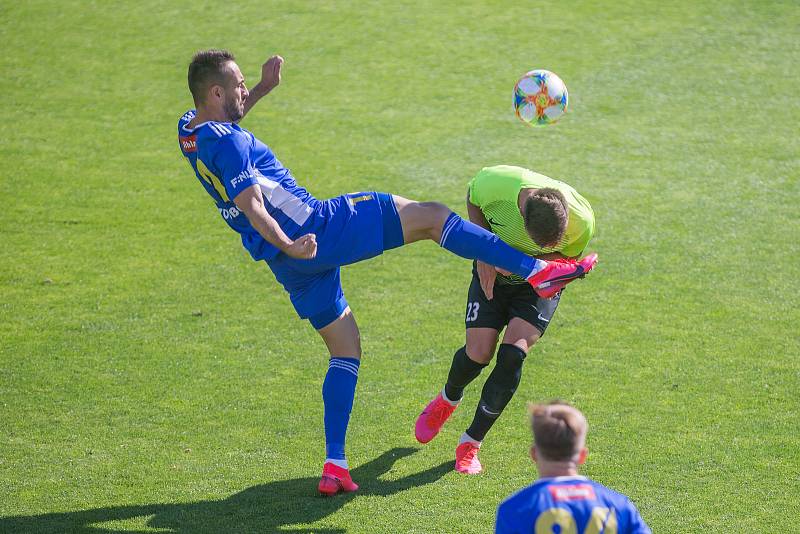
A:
(154, 379)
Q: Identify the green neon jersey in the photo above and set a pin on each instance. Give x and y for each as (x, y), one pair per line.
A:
(495, 190)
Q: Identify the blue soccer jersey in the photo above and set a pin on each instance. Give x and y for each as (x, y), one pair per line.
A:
(227, 159)
(574, 505)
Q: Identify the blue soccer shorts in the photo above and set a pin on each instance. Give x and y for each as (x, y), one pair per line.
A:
(349, 229)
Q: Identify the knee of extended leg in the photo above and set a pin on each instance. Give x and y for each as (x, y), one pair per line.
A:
(433, 208)
(435, 215)
(440, 209)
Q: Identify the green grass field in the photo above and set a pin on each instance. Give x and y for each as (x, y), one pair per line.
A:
(154, 379)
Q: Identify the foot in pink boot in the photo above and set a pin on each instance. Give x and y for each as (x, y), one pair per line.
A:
(432, 418)
(335, 479)
(467, 458)
(559, 273)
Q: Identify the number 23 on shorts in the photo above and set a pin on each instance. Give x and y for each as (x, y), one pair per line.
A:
(472, 311)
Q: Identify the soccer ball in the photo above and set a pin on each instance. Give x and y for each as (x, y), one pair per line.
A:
(540, 98)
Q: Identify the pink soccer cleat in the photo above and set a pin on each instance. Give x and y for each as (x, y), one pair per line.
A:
(467, 458)
(430, 421)
(559, 273)
(334, 480)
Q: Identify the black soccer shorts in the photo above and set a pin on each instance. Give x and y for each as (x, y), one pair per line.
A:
(510, 300)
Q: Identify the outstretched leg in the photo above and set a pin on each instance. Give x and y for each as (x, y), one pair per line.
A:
(435, 221)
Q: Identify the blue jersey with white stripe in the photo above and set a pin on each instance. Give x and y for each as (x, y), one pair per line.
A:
(227, 159)
(569, 504)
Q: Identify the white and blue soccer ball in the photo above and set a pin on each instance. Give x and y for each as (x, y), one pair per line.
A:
(540, 98)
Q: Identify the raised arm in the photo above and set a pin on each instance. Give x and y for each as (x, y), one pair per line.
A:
(251, 203)
(270, 78)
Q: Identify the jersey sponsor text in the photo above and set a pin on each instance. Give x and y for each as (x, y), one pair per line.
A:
(577, 492)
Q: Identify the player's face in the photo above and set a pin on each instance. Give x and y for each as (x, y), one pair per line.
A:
(235, 94)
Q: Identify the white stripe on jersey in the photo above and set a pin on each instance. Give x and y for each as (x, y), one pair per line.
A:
(282, 200)
(221, 129)
(217, 129)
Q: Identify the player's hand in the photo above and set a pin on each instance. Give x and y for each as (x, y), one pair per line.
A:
(271, 73)
(303, 248)
(487, 275)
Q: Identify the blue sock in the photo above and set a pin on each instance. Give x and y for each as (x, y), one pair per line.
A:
(470, 241)
(338, 391)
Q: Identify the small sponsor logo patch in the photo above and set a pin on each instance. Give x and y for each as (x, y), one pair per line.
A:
(355, 198)
(189, 143)
(576, 492)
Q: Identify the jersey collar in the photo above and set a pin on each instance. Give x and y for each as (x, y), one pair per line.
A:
(185, 128)
(561, 479)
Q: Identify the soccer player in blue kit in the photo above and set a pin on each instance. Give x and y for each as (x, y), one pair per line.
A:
(305, 241)
(561, 500)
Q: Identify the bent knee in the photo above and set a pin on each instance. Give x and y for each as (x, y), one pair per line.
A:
(435, 216)
(510, 357)
(436, 209)
(480, 353)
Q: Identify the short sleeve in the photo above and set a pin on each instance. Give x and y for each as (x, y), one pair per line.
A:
(473, 193)
(637, 524)
(576, 248)
(234, 163)
(481, 188)
(580, 227)
(502, 524)
(495, 184)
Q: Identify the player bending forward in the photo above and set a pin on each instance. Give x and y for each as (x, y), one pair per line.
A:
(538, 216)
(305, 241)
(561, 500)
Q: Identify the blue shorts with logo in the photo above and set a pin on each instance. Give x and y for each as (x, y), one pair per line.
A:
(349, 228)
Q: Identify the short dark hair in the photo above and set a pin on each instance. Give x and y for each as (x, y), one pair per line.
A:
(546, 215)
(206, 69)
(559, 430)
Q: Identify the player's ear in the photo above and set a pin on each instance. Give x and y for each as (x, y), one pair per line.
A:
(216, 92)
(533, 453)
(582, 456)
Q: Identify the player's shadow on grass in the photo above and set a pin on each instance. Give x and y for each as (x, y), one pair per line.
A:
(272, 507)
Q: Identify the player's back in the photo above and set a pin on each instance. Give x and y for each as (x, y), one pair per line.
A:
(569, 504)
(495, 190)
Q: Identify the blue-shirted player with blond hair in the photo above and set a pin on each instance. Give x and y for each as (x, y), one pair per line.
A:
(561, 500)
(305, 241)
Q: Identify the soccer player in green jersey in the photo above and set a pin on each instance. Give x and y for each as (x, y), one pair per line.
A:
(541, 217)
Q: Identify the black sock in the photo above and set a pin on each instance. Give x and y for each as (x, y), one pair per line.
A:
(463, 370)
(498, 390)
